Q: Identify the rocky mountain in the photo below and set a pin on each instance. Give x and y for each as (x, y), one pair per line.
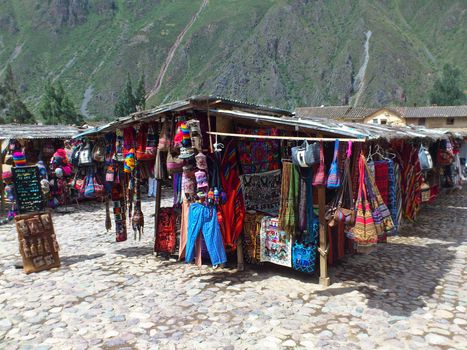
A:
(276, 52)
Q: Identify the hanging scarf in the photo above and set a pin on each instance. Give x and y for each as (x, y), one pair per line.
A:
(138, 217)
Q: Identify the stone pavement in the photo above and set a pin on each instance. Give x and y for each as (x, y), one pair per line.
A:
(411, 293)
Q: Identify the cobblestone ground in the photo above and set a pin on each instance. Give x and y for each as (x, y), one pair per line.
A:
(410, 293)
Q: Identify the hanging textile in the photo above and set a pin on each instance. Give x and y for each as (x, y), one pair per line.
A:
(276, 244)
(252, 238)
(382, 178)
(392, 194)
(288, 212)
(118, 199)
(232, 211)
(257, 156)
(138, 217)
(165, 239)
(261, 191)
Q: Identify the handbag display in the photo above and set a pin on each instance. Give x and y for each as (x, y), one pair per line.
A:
(333, 178)
(426, 163)
(320, 175)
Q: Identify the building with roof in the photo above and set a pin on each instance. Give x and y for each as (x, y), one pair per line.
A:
(450, 117)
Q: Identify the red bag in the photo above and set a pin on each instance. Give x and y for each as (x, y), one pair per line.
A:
(319, 178)
(141, 144)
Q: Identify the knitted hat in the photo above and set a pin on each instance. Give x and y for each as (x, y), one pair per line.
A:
(186, 141)
(19, 159)
(201, 162)
(201, 180)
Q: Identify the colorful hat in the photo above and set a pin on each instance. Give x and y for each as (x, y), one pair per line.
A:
(7, 176)
(201, 179)
(185, 130)
(130, 161)
(188, 184)
(201, 162)
(19, 159)
(186, 152)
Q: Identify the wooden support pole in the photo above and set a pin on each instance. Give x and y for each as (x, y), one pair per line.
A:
(158, 205)
(323, 249)
(240, 262)
(2, 189)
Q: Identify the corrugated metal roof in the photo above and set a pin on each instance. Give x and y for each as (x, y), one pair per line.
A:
(32, 131)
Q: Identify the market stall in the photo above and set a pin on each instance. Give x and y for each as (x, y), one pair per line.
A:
(262, 183)
(30, 145)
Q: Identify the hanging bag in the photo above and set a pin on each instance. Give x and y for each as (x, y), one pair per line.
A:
(333, 177)
(426, 163)
(364, 230)
(320, 175)
(98, 152)
(85, 155)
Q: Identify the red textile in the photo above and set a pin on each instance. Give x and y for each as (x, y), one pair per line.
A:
(166, 231)
(382, 179)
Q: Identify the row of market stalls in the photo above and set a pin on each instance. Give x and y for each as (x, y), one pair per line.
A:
(259, 184)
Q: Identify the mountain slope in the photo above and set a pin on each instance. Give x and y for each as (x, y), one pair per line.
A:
(284, 53)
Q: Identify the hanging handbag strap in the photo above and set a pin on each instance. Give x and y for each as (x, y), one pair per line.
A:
(336, 151)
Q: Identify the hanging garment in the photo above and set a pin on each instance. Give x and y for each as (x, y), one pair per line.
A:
(204, 219)
(288, 213)
(232, 211)
(166, 231)
(333, 180)
(276, 244)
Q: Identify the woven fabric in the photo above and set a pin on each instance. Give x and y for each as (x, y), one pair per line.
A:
(251, 238)
(166, 231)
(261, 191)
(382, 179)
(392, 194)
(333, 180)
(288, 213)
(257, 156)
(276, 244)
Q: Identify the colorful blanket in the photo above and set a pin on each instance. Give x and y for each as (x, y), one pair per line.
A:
(257, 156)
(261, 192)
(276, 245)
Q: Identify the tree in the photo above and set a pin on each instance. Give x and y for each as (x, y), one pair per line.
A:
(12, 109)
(128, 102)
(57, 107)
(446, 91)
(140, 94)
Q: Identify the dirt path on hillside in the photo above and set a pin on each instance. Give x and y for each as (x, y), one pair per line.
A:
(155, 89)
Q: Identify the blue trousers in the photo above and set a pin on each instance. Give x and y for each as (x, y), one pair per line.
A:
(204, 219)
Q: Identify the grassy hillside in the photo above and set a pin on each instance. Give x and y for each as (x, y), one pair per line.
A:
(278, 52)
